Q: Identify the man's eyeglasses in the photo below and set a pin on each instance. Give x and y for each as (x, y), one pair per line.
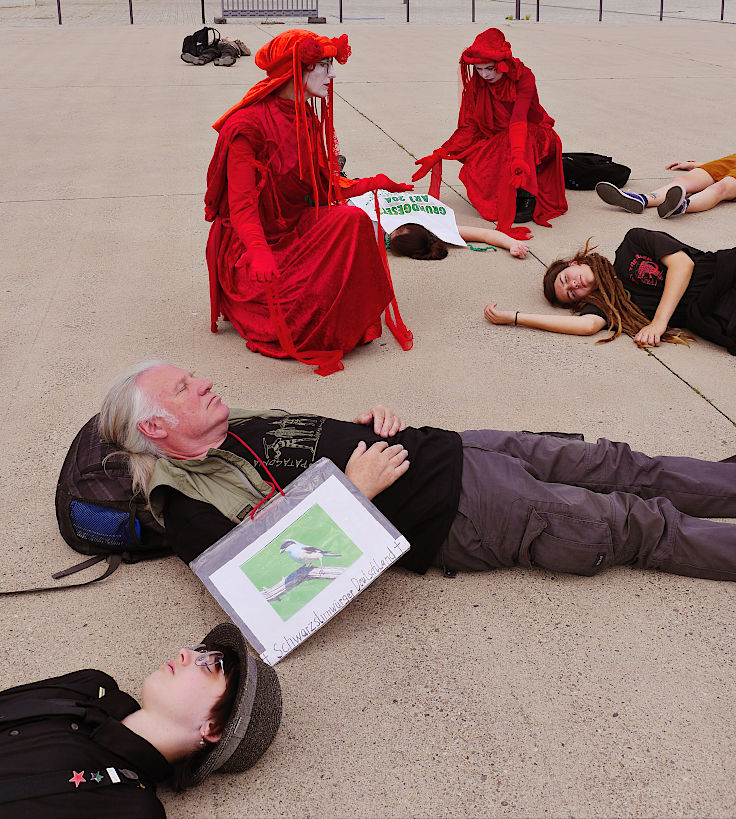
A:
(208, 658)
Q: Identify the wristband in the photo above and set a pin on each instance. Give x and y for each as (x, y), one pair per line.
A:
(516, 319)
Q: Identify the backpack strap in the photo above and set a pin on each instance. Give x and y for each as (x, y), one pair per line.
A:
(113, 561)
(67, 781)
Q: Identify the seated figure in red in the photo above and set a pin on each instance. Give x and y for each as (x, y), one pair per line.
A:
(295, 270)
(504, 138)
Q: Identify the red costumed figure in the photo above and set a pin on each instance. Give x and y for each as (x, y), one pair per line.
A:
(504, 138)
(296, 271)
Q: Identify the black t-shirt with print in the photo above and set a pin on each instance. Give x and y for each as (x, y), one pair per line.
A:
(421, 504)
(638, 266)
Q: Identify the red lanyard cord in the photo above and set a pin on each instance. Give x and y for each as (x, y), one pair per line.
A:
(272, 483)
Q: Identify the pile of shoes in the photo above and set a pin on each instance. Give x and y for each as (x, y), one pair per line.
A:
(198, 50)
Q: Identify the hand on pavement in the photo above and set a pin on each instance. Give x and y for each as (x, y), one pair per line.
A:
(496, 316)
(518, 249)
(650, 335)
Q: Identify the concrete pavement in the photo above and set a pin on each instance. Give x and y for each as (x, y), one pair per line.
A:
(514, 693)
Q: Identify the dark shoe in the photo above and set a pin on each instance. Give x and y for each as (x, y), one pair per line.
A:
(226, 59)
(611, 195)
(191, 59)
(673, 203)
(209, 54)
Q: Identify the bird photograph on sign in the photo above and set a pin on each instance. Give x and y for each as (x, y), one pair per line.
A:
(293, 568)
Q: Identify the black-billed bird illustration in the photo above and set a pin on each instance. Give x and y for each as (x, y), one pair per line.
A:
(303, 553)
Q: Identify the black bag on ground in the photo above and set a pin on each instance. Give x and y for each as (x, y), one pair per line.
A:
(525, 204)
(196, 43)
(97, 512)
(584, 171)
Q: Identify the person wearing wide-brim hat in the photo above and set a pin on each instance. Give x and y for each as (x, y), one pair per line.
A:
(78, 746)
(505, 139)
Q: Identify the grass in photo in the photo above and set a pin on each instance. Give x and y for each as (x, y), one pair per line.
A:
(301, 561)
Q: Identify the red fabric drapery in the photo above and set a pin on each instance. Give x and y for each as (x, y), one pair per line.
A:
(273, 185)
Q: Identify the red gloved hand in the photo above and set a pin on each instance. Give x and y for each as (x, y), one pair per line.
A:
(382, 182)
(519, 170)
(426, 163)
(260, 264)
(517, 143)
(374, 183)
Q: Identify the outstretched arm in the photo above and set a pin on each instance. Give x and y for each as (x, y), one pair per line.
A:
(679, 272)
(570, 325)
(495, 238)
(681, 166)
(357, 187)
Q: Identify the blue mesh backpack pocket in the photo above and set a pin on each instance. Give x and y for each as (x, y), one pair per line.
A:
(98, 524)
(97, 511)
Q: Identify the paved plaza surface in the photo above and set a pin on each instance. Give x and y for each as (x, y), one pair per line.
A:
(513, 693)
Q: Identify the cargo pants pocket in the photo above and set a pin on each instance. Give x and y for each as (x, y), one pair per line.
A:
(560, 542)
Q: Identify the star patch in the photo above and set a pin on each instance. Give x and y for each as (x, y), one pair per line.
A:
(96, 777)
(77, 778)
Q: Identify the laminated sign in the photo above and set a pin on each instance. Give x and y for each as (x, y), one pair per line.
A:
(397, 209)
(304, 557)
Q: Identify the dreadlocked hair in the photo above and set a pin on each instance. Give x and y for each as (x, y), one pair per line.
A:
(610, 296)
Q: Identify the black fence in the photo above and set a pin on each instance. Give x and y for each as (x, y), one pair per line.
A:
(517, 15)
(270, 9)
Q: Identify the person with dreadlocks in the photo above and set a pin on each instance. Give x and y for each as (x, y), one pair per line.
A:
(655, 281)
(504, 138)
(296, 271)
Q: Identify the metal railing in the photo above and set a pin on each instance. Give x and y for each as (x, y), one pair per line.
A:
(517, 15)
(310, 9)
(270, 8)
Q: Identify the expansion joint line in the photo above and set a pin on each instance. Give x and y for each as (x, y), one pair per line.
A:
(395, 141)
(688, 384)
(462, 196)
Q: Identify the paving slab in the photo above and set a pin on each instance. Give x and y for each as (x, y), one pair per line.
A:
(512, 693)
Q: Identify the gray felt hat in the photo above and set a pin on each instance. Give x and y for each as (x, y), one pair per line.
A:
(255, 716)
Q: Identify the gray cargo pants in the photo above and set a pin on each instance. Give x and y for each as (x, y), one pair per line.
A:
(570, 506)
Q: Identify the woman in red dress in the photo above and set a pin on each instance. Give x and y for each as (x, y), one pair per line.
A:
(296, 271)
(504, 138)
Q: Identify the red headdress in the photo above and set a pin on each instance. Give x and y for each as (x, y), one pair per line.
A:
(283, 59)
(489, 46)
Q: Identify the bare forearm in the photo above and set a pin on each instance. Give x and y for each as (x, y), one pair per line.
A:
(570, 325)
(480, 234)
(679, 272)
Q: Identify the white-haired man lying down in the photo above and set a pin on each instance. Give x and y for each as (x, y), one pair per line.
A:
(476, 500)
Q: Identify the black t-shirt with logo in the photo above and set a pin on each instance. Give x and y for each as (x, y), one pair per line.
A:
(421, 503)
(638, 265)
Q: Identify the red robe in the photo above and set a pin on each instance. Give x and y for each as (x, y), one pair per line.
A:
(481, 143)
(333, 286)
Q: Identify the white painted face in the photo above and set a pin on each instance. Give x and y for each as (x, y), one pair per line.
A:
(487, 72)
(317, 80)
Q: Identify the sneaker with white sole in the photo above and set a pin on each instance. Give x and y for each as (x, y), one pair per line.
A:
(675, 202)
(611, 195)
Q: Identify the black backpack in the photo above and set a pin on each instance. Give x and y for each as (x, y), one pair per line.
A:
(584, 171)
(97, 512)
(196, 43)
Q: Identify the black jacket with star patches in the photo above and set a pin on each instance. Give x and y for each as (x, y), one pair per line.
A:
(42, 753)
